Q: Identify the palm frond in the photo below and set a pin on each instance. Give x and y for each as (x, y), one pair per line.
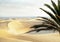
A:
(51, 8)
(59, 4)
(46, 20)
(55, 7)
(30, 31)
(42, 25)
(52, 16)
(47, 27)
(58, 17)
(47, 23)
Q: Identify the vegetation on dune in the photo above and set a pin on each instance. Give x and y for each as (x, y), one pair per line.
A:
(50, 24)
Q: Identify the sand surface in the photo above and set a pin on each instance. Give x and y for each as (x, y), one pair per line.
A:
(51, 37)
(7, 37)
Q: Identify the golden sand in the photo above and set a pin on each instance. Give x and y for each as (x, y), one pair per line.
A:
(16, 27)
(6, 36)
(52, 37)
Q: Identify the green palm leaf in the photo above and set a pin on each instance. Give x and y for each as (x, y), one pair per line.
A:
(51, 8)
(52, 16)
(58, 17)
(49, 21)
(59, 4)
(48, 27)
(49, 24)
(55, 7)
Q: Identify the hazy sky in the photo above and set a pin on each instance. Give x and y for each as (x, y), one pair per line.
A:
(23, 7)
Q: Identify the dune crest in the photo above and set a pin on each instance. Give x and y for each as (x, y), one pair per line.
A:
(17, 27)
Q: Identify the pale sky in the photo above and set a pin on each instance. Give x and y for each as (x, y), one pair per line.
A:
(23, 8)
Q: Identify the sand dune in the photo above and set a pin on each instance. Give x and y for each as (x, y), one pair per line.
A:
(7, 37)
(51, 37)
(12, 40)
